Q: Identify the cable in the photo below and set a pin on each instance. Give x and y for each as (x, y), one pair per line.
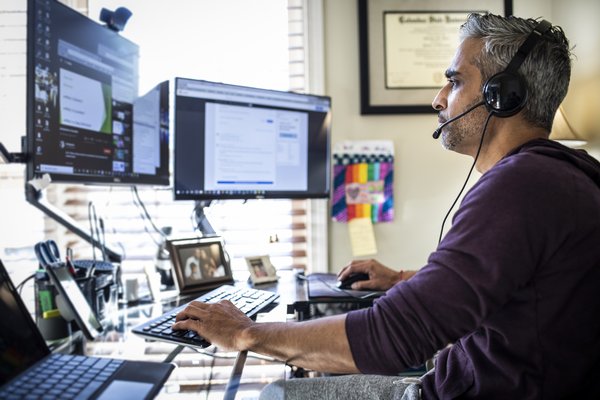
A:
(102, 239)
(113, 231)
(141, 204)
(468, 175)
(173, 354)
(22, 284)
(93, 228)
(229, 357)
(137, 204)
(210, 373)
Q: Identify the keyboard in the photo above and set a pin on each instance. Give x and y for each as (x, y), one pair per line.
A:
(249, 301)
(61, 376)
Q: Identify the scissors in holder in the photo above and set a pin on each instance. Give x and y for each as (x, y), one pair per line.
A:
(47, 252)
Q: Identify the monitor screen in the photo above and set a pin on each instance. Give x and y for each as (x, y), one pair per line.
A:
(85, 121)
(236, 142)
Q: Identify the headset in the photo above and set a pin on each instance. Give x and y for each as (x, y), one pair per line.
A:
(505, 93)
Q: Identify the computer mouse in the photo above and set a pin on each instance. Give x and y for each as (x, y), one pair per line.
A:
(347, 283)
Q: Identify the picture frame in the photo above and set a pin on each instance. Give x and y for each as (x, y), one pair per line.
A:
(405, 46)
(261, 269)
(199, 264)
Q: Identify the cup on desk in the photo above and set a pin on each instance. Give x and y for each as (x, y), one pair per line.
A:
(132, 290)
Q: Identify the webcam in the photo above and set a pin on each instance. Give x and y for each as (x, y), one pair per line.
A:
(115, 20)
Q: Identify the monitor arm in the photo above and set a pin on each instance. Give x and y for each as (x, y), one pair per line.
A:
(7, 157)
(36, 198)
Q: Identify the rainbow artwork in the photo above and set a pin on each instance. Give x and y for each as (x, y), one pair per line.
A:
(363, 176)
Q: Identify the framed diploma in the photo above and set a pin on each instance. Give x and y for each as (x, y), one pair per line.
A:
(405, 47)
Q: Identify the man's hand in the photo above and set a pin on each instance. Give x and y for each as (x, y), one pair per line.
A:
(222, 323)
(380, 276)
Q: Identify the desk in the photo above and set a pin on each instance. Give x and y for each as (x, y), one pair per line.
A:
(205, 373)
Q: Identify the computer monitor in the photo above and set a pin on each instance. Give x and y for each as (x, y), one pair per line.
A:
(85, 121)
(237, 142)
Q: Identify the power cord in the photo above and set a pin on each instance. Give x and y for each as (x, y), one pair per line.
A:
(113, 231)
(210, 372)
(22, 284)
(94, 230)
(145, 215)
(173, 354)
(231, 357)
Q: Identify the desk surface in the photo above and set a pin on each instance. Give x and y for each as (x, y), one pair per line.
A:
(204, 372)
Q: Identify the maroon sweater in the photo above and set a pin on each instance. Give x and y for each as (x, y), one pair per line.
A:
(514, 285)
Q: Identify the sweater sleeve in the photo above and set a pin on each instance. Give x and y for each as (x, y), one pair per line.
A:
(480, 262)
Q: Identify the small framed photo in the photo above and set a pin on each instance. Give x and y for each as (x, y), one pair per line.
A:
(199, 264)
(261, 269)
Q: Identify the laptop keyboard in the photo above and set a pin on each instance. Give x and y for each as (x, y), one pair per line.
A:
(61, 376)
(249, 301)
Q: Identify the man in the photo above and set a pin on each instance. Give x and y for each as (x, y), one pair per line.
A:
(510, 298)
(192, 264)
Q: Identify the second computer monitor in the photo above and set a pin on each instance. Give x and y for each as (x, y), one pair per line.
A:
(237, 142)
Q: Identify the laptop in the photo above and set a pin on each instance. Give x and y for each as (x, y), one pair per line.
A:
(28, 369)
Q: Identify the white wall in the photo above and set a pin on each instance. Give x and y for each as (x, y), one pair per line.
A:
(427, 177)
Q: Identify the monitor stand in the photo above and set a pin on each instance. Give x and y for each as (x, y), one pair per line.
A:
(202, 222)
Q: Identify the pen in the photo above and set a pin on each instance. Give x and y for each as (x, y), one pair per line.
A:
(69, 263)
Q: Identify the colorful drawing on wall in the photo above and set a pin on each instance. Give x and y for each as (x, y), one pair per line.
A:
(363, 177)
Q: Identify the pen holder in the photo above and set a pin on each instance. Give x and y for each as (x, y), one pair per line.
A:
(100, 290)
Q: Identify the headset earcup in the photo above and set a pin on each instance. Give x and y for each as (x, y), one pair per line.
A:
(505, 94)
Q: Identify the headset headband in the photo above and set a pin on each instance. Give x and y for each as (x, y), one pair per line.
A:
(540, 29)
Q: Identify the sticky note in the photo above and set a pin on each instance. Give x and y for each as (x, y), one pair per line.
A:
(362, 237)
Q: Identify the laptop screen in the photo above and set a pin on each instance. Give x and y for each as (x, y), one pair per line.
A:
(21, 344)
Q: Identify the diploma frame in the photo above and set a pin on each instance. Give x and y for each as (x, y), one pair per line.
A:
(377, 96)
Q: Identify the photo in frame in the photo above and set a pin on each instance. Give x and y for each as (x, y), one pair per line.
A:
(261, 269)
(199, 264)
(406, 45)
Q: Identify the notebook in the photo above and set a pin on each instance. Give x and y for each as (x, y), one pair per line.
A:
(28, 369)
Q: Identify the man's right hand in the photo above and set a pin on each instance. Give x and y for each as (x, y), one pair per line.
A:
(380, 276)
